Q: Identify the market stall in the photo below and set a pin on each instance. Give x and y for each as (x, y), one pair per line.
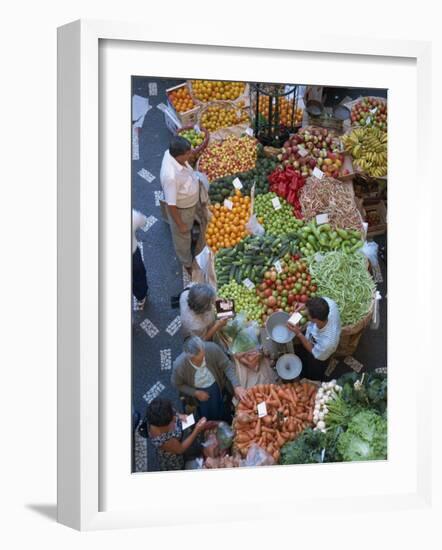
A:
(286, 226)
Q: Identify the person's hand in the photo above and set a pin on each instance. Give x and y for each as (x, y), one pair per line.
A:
(221, 323)
(202, 395)
(200, 425)
(182, 417)
(294, 328)
(240, 392)
(183, 228)
(298, 307)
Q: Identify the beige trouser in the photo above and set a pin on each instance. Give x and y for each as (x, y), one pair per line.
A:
(182, 241)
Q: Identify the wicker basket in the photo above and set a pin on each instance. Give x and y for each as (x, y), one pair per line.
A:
(196, 152)
(351, 334)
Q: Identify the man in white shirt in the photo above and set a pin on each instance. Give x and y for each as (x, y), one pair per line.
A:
(321, 338)
(182, 194)
(139, 281)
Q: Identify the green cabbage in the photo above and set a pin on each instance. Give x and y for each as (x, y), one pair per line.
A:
(365, 438)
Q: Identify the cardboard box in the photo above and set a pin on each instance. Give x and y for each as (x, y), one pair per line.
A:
(380, 209)
(189, 118)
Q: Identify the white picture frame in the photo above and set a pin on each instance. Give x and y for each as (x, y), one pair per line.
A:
(80, 446)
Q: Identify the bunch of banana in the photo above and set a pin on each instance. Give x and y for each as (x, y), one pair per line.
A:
(368, 147)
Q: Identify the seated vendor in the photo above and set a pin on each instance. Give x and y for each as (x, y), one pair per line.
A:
(321, 337)
(204, 372)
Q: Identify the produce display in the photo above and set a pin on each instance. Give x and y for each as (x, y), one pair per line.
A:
(288, 116)
(370, 111)
(194, 137)
(227, 157)
(222, 188)
(345, 279)
(322, 238)
(313, 147)
(181, 100)
(365, 437)
(227, 226)
(373, 218)
(251, 258)
(327, 392)
(279, 221)
(312, 446)
(286, 290)
(222, 116)
(287, 182)
(289, 412)
(246, 300)
(368, 147)
(332, 197)
(210, 90)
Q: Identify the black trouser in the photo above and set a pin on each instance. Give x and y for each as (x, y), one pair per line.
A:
(139, 281)
(312, 368)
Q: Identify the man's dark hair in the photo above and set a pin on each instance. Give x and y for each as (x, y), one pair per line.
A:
(318, 308)
(159, 412)
(178, 146)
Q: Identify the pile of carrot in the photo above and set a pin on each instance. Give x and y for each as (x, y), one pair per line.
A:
(289, 412)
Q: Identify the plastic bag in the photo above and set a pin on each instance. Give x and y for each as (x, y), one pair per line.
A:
(246, 339)
(224, 435)
(254, 227)
(370, 251)
(206, 264)
(194, 464)
(257, 456)
(235, 325)
(211, 446)
(375, 319)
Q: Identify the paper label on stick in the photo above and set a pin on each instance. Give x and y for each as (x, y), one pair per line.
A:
(190, 421)
(249, 132)
(302, 151)
(262, 409)
(368, 120)
(321, 218)
(228, 204)
(237, 183)
(197, 128)
(278, 266)
(248, 284)
(276, 203)
(318, 173)
(374, 110)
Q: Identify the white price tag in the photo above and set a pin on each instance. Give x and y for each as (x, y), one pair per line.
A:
(276, 203)
(190, 421)
(374, 110)
(262, 409)
(237, 183)
(197, 128)
(318, 173)
(295, 318)
(249, 132)
(248, 284)
(278, 266)
(228, 204)
(321, 218)
(368, 120)
(302, 151)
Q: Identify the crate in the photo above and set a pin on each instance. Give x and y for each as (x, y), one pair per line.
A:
(381, 210)
(189, 118)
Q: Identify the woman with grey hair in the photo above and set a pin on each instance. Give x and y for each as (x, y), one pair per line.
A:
(197, 312)
(203, 371)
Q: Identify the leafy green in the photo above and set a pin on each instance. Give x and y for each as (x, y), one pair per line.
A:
(365, 438)
(312, 447)
(372, 393)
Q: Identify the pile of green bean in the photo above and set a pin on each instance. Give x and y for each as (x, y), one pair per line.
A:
(345, 279)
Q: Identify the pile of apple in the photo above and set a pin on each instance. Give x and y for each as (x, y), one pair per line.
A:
(228, 157)
(313, 147)
(370, 111)
(285, 290)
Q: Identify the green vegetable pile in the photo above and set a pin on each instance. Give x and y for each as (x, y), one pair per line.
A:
(345, 279)
(251, 258)
(276, 222)
(313, 238)
(312, 447)
(365, 438)
(371, 390)
(222, 188)
(246, 301)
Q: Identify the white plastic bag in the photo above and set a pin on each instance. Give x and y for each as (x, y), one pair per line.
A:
(370, 251)
(254, 227)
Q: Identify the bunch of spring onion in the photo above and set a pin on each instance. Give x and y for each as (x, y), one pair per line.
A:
(326, 394)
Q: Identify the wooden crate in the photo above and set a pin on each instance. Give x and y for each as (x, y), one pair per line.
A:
(189, 118)
(381, 210)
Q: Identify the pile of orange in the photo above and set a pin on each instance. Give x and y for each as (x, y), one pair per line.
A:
(181, 100)
(222, 116)
(285, 111)
(227, 227)
(210, 90)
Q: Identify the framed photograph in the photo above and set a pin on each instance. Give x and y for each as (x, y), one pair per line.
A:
(224, 316)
